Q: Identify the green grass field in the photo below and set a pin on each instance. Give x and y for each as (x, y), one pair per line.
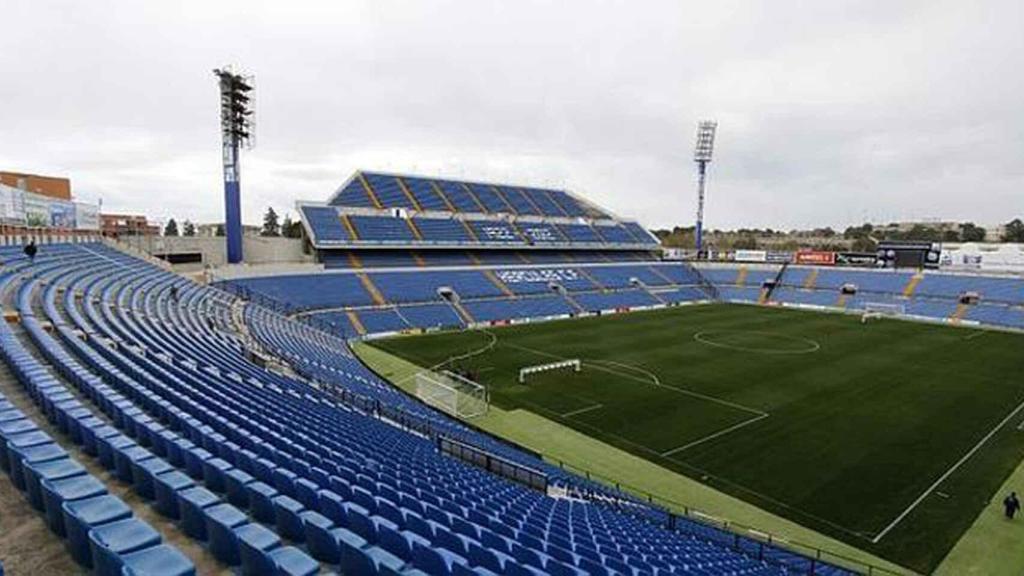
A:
(842, 427)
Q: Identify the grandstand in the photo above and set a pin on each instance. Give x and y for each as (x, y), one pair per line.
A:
(408, 252)
(127, 374)
(456, 255)
(251, 436)
(969, 299)
(411, 253)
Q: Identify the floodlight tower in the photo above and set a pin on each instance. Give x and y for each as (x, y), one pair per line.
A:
(236, 125)
(702, 156)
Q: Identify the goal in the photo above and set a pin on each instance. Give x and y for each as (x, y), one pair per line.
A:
(573, 364)
(452, 393)
(881, 309)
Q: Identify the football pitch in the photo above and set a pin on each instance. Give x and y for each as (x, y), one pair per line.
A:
(891, 436)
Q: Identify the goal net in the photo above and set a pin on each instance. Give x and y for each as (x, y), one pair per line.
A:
(455, 394)
(881, 309)
(573, 365)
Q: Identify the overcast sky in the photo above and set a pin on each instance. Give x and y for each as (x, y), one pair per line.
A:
(830, 112)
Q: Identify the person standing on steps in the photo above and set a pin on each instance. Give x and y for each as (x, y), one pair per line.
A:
(31, 249)
(1011, 505)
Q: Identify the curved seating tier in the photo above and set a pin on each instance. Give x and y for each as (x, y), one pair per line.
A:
(273, 472)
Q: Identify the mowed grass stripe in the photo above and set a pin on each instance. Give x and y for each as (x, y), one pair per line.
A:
(858, 430)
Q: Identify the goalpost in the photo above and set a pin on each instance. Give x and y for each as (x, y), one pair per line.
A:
(573, 364)
(456, 395)
(881, 309)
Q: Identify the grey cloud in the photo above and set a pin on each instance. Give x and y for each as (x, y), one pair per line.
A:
(830, 112)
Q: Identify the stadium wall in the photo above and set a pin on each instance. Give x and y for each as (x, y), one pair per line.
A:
(213, 251)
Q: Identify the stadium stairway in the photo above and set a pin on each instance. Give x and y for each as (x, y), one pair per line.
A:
(464, 314)
(371, 288)
(408, 194)
(591, 278)
(356, 322)
(471, 232)
(959, 313)
(106, 526)
(369, 191)
(660, 274)
(293, 476)
(762, 296)
(347, 222)
(493, 278)
(841, 301)
(414, 229)
(447, 202)
(908, 290)
(476, 200)
(811, 279)
(741, 276)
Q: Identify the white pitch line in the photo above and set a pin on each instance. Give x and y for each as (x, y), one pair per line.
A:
(947, 474)
(582, 410)
(714, 435)
(596, 365)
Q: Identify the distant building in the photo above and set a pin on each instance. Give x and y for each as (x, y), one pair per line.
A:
(995, 233)
(53, 187)
(210, 230)
(117, 225)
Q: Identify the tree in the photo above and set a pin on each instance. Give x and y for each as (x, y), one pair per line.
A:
(189, 229)
(220, 230)
(271, 227)
(1014, 231)
(971, 233)
(746, 242)
(291, 228)
(171, 229)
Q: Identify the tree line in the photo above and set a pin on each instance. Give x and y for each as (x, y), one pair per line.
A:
(863, 238)
(272, 226)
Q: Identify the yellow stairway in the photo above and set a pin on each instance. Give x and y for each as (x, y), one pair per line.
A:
(356, 322)
(483, 209)
(908, 290)
(444, 197)
(591, 277)
(741, 277)
(470, 231)
(370, 192)
(959, 313)
(660, 274)
(347, 223)
(408, 194)
(841, 303)
(497, 282)
(811, 279)
(378, 298)
(414, 229)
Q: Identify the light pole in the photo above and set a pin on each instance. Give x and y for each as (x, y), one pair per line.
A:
(702, 156)
(236, 124)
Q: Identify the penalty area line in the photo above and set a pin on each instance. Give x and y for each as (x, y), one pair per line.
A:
(947, 474)
(714, 435)
(582, 411)
(656, 382)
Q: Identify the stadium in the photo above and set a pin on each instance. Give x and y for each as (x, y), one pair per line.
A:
(457, 363)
